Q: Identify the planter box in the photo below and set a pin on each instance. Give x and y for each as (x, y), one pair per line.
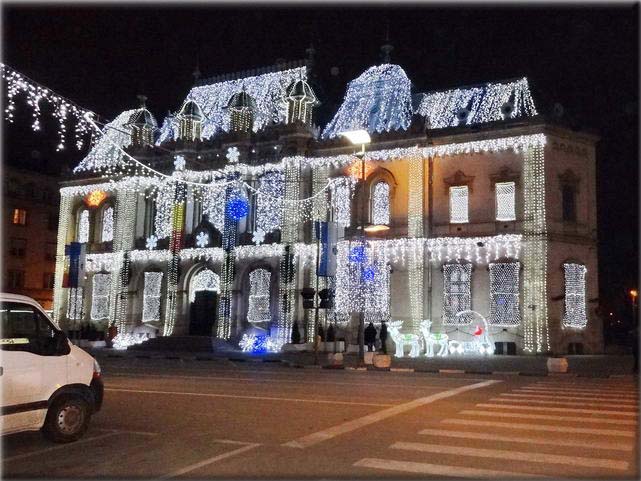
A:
(369, 357)
(297, 347)
(557, 364)
(335, 359)
(329, 346)
(382, 360)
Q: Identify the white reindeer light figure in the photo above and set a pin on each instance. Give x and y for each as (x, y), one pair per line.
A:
(431, 339)
(401, 339)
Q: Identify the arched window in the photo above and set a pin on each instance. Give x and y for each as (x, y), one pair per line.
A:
(107, 224)
(342, 202)
(151, 296)
(205, 280)
(380, 204)
(259, 296)
(83, 226)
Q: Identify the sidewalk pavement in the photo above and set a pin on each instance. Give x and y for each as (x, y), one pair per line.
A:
(585, 365)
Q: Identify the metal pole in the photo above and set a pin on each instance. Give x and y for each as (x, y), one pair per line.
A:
(317, 300)
(361, 320)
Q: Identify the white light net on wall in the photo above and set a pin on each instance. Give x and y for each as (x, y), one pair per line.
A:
(342, 203)
(151, 296)
(459, 204)
(164, 205)
(381, 204)
(83, 226)
(457, 295)
(259, 296)
(100, 296)
(205, 280)
(214, 205)
(505, 201)
(574, 315)
(108, 224)
(269, 211)
(74, 306)
(504, 294)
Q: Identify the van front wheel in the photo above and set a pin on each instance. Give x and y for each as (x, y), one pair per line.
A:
(67, 420)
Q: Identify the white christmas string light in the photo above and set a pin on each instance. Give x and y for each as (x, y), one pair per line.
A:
(574, 313)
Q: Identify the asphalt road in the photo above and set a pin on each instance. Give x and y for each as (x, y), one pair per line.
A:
(172, 418)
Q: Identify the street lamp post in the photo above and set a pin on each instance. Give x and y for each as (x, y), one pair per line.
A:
(634, 294)
(361, 137)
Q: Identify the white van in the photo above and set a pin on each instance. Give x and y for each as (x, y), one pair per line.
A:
(47, 383)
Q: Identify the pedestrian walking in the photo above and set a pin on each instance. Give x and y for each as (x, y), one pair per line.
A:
(370, 336)
(383, 337)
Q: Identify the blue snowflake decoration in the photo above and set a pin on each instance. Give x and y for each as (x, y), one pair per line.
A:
(237, 208)
(358, 255)
(369, 274)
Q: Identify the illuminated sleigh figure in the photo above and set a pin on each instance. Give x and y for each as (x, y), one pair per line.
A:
(432, 339)
(481, 344)
(401, 339)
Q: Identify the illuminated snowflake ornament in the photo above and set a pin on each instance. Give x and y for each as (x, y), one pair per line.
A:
(259, 237)
(233, 155)
(152, 242)
(179, 162)
(202, 239)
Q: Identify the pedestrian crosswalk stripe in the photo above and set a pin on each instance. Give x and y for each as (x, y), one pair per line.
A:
(562, 403)
(531, 457)
(616, 385)
(541, 427)
(439, 470)
(596, 392)
(625, 422)
(585, 397)
(562, 410)
(529, 440)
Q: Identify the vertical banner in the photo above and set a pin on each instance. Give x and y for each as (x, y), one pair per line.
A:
(326, 232)
(74, 275)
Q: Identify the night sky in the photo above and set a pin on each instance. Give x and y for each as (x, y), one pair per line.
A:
(585, 58)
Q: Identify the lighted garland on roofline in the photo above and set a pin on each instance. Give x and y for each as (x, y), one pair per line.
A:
(63, 110)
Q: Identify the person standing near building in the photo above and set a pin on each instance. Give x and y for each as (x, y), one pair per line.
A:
(383, 337)
(370, 336)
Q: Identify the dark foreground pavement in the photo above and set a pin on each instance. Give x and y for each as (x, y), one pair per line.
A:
(165, 418)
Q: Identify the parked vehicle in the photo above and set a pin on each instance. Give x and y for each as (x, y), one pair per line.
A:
(47, 382)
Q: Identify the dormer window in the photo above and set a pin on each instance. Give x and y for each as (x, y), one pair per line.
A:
(241, 112)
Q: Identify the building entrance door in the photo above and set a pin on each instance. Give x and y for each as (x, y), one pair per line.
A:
(204, 313)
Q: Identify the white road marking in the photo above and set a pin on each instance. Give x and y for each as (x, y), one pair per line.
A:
(541, 427)
(126, 431)
(584, 397)
(527, 399)
(528, 440)
(59, 446)
(529, 456)
(239, 396)
(317, 437)
(624, 422)
(439, 470)
(271, 380)
(209, 461)
(591, 392)
(562, 410)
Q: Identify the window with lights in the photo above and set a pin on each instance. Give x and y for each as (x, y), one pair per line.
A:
(575, 311)
(459, 204)
(380, 204)
(505, 201)
(151, 296)
(205, 280)
(100, 296)
(504, 294)
(83, 226)
(259, 296)
(457, 294)
(107, 224)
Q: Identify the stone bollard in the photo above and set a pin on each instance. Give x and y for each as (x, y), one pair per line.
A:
(382, 361)
(557, 364)
(335, 359)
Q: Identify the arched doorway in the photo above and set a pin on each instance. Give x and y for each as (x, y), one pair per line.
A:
(203, 296)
